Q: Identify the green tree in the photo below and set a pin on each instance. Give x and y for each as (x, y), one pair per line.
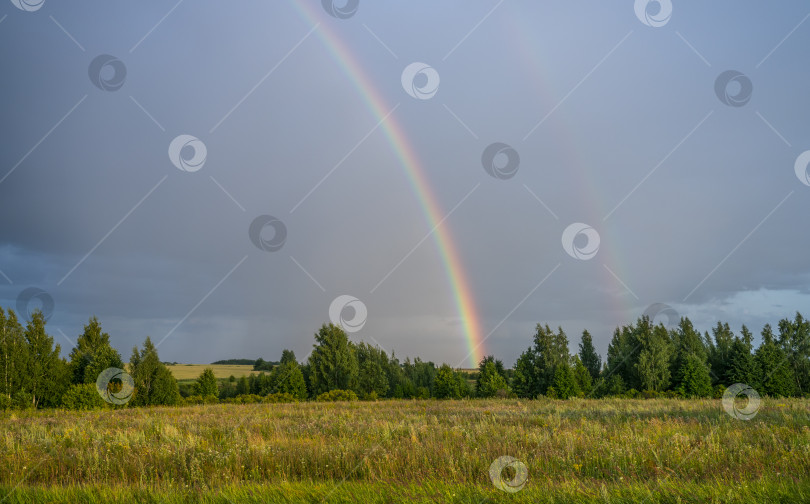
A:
(287, 378)
(490, 382)
(497, 366)
(564, 384)
(550, 351)
(44, 375)
(742, 367)
(154, 383)
(446, 384)
(524, 383)
(333, 363)
(242, 386)
(776, 375)
(582, 377)
(82, 397)
(687, 344)
(287, 357)
(372, 379)
(421, 375)
(12, 351)
(794, 338)
(92, 354)
(720, 351)
(207, 383)
(694, 377)
(622, 356)
(587, 354)
(653, 360)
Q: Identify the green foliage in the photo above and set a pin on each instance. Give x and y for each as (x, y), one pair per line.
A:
(694, 379)
(742, 367)
(776, 375)
(564, 383)
(588, 356)
(653, 359)
(333, 363)
(280, 397)
(372, 377)
(524, 383)
(92, 354)
(337, 395)
(420, 376)
(45, 375)
(582, 377)
(622, 356)
(490, 381)
(240, 362)
(12, 354)
(198, 399)
(794, 338)
(491, 377)
(287, 378)
(154, 383)
(207, 383)
(689, 364)
(83, 396)
(550, 351)
(446, 384)
(262, 365)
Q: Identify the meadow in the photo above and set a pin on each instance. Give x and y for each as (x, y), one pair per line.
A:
(605, 450)
(221, 371)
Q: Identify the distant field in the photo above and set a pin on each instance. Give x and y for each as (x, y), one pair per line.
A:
(192, 371)
(579, 451)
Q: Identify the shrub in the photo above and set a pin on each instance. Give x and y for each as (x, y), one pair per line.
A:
(23, 400)
(5, 402)
(82, 397)
(281, 397)
(198, 399)
(337, 395)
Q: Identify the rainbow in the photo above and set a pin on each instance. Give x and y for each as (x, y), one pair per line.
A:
(408, 159)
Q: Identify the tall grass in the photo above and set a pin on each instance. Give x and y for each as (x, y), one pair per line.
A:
(593, 449)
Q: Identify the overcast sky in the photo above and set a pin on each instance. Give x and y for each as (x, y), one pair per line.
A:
(673, 180)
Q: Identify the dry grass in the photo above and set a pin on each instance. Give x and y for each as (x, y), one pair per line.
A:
(193, 371)
(581, 447)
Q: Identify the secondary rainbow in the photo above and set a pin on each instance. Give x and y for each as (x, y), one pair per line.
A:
(409, 160)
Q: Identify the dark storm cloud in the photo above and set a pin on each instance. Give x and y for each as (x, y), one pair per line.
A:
(616, 125)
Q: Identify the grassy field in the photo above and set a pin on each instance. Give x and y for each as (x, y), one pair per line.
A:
(409, 451)
(193, 371)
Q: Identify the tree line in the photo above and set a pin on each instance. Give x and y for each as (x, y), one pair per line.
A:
(643, 360)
